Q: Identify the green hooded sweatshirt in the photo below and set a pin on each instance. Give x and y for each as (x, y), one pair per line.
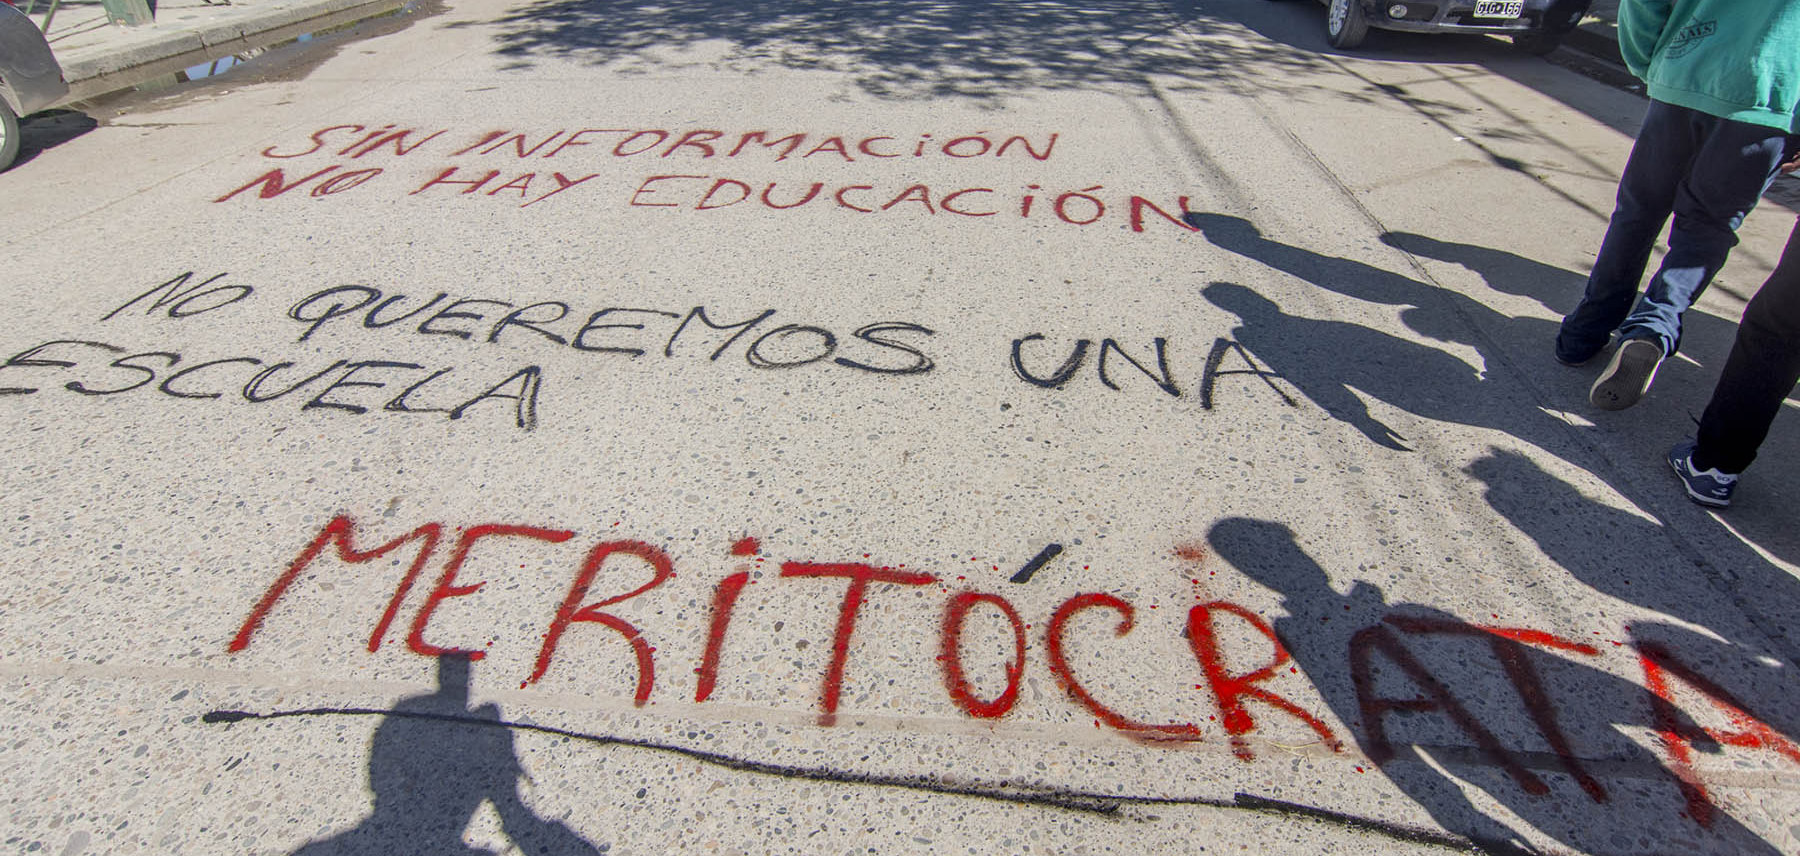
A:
(1735, 59)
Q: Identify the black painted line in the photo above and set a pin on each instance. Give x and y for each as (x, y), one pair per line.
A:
(1037, 562)
(1009, 792)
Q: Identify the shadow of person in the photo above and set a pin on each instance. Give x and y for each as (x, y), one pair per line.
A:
(1449, 316)
(1330, 361)
(1556, 289)
(434, 762)
(1440, 704)
(1419, 387)
(1627, 557)
(1439, 313)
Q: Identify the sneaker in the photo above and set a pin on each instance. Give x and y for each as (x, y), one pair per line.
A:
(1574, 358)
(1575, 362)
(1628, 376)
(1707, 487)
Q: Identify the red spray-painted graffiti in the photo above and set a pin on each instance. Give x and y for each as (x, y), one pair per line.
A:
(446, 172)
(340, 537)
(1232, 690)
(354, 142)
(1083, 207)
(360, 141)
(1660, 665)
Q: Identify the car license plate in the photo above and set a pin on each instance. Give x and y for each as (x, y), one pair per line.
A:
(1499, 8)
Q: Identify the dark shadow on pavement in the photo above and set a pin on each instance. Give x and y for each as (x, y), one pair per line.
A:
(1558, 290)
(1415, 377)
(1331, 361)
(41, 132)
(1433, 384)
(1529, 719)
(1625, 556)
(909, 48)
(1441, 313)
(429, 774)
(1409, 375)
(1762, 518)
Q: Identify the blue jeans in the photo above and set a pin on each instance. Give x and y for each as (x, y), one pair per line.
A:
(1760, 373)
(1707, 171)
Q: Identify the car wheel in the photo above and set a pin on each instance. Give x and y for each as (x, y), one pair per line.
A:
(1346, 24)
(9, 136)
(1537, 44)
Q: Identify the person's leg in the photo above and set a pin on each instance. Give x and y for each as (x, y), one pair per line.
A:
(1734, 166)
(1665, 148)
(1760, 373)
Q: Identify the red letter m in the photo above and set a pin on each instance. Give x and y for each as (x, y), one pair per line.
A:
(339, 532)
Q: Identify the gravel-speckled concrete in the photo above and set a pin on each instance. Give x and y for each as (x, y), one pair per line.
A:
(276, 444)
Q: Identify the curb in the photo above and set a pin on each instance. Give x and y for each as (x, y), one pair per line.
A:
(108, 68)
(1602, 45)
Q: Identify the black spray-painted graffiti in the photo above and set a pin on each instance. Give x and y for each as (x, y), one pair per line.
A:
(511, 390)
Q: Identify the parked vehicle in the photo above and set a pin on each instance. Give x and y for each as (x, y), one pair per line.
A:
(30, 78)
(1537, 26)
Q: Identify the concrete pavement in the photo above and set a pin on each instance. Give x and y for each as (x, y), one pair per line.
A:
(100, 57)
(831, 437)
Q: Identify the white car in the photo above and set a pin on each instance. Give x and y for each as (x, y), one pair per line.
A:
(30, 79)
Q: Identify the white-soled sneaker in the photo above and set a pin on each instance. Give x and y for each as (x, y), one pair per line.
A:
(1707, 487)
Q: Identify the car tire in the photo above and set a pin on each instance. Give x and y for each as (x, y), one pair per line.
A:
(9, 136)
(1346, 24)
(1537, 44)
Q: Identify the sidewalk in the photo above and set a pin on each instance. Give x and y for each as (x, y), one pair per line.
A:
(99, 57)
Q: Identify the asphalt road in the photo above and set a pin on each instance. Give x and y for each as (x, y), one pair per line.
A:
(694, 426)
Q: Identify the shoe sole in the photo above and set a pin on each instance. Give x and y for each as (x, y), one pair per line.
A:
(1628, 376)
(1707, 501)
